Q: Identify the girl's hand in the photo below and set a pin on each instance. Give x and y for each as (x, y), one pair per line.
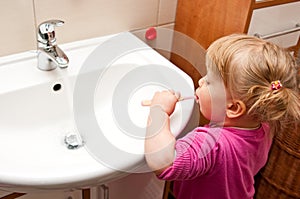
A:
(166, 100)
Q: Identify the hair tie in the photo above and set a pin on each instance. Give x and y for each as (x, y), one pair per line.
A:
(276, 85)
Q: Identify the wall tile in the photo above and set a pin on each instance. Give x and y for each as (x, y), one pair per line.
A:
(166, 42)
(93, 18)
(167, 11)
(83, 19)
(17, 26)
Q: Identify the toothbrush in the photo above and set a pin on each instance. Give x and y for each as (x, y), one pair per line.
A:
(148, 102)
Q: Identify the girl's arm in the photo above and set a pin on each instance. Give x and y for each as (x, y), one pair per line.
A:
(159, 141)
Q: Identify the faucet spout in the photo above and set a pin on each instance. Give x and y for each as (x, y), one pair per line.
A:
(50, 58)
(49, 54)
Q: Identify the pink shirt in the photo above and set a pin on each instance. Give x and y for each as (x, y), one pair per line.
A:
(218, 163)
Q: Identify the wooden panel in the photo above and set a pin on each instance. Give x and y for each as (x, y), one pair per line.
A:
(205, 21)
(13, 196)
(267, 3)
(86, 194)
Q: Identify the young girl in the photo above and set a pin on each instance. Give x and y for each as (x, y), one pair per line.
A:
(249, 94)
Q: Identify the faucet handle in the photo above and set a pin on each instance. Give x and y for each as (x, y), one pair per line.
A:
(46, 33)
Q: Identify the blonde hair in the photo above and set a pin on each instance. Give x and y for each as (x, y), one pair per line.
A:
(247, 66)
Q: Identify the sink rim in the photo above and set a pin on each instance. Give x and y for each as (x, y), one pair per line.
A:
(25, 69)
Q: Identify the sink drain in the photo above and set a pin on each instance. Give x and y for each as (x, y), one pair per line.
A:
(73, 141)
(56, 87)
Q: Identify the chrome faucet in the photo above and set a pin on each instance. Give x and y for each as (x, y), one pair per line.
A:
(49, 54)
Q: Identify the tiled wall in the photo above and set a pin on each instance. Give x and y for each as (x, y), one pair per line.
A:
(83, 19)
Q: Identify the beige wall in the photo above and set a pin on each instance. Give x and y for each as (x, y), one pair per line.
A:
(83, 19)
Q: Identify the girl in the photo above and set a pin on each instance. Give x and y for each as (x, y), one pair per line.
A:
(249, 94)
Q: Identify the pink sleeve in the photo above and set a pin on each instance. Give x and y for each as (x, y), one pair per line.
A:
(195, 155)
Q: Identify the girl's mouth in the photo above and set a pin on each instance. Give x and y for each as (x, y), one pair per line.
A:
(196, 98)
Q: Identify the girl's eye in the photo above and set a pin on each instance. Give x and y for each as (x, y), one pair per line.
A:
(206, 81)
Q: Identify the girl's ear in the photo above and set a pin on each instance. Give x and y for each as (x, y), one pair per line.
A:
(235, 108)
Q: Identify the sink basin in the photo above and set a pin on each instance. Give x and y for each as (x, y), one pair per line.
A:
(97, 99)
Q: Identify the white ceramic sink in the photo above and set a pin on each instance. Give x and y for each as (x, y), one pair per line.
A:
(98, 98)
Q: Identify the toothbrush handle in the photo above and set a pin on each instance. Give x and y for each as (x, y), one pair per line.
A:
(148, 102)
